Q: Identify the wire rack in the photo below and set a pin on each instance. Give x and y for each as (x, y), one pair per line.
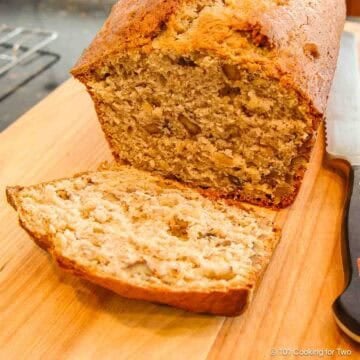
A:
(19, 43)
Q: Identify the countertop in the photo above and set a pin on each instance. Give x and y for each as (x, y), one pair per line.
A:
(76, 21)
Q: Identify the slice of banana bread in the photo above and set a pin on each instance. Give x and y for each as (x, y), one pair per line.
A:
(225, 95)
(148, 238)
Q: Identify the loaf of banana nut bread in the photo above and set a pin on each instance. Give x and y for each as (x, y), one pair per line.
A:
(224, 95)
(149, 238)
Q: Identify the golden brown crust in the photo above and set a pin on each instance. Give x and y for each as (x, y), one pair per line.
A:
(225, 303)
(132, 23)
(306, 35)
(302, 35)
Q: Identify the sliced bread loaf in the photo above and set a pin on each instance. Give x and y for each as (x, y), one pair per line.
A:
(223, 95)
(149, 238)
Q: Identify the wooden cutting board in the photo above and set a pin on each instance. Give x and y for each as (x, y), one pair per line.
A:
(47, 314)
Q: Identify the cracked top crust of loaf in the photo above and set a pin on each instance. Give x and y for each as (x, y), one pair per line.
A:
(295, 32)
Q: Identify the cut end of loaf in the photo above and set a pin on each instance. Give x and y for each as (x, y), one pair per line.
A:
(151, 239)
(211, 99)
(232, 132)
(222, 95)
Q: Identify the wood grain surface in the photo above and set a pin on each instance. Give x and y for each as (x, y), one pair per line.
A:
(47, 314)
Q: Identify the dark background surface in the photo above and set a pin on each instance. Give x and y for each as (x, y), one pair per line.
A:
(353, 7)
(76, 22)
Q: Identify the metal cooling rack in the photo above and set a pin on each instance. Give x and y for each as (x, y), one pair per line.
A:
(13, 41)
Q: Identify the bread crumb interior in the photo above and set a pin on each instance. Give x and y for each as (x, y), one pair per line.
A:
(143, 230)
